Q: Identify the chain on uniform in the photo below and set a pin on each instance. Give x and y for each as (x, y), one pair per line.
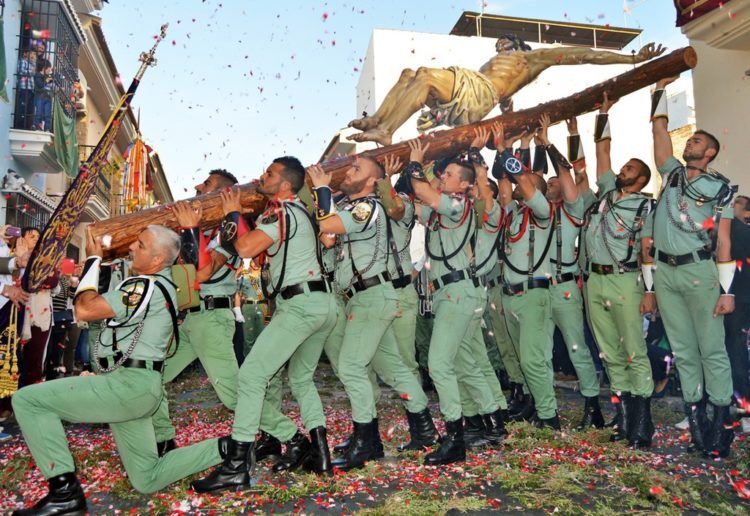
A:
(125, 356)
(683, 209)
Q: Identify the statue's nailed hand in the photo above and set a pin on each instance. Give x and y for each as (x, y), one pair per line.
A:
(650, 51)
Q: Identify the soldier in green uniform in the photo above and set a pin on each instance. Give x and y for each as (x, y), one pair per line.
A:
(305, 315)
(566, 299)
(482, 425)
(458, 300)
(141, 319)
(208, 330)
(526, 281)
(693, 291)
(361, 273)
(614, 292)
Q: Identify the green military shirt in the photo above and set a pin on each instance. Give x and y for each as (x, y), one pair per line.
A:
(452, 224)
(487, 259)
(365, 244)
(223, 281)
(402, 238)
(517, 253)
(614, 222)
(297, 243)
(570, 216)
(680, 223)
(138, 300)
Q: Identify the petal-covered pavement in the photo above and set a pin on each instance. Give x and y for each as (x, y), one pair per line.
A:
(534, 470)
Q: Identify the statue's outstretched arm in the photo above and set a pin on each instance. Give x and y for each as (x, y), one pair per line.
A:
(546, 57)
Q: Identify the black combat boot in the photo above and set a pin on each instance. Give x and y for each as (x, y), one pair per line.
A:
(344, 445)
(65, 497)
(422, 431)
(550, 422)
(641, 430)
(474, 432)
(527, 410)
(341, 447)
(236, 470)
(623, 407)
(720, 434)
(427, 384)
(516, 399)
(319, 459)
(699, 426)
(452, 448)
(494, 426)
(592, 414)
(361, 449)
(163, 447)
(297, 450)
(266, 446)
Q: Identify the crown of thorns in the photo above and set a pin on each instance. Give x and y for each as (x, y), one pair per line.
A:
(518, 43)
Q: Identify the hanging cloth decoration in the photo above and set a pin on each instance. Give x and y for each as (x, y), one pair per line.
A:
(134, 176)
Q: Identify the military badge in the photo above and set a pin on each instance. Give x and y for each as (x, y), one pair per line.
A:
(361, 212)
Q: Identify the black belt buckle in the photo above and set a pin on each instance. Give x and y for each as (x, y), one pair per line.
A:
(208, 302)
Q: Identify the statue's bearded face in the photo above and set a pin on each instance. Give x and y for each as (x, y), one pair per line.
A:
(504, 46)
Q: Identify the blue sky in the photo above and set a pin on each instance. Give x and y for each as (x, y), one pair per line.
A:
(241, 82)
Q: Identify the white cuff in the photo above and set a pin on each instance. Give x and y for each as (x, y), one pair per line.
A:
(726, 276)
(647, 271)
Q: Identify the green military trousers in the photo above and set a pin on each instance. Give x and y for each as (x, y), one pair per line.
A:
(126, 399)
(208, 336)
(369, 343)
(566, 306)
(458, 311)
(527, 316)
(253, 325)
(508, 353)
(405, 327)
(483, 394)
(687, 295)
(422, 338)
(613, 305)
(297, 331)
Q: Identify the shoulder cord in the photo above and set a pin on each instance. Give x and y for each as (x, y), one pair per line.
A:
(445, 257)
(358, 274)
(128, 352)
(630, 232)
(266, 268)
(494, 250)
(532, 266)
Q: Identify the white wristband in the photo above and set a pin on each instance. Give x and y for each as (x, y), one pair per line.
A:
(647, 271)
(726, 276)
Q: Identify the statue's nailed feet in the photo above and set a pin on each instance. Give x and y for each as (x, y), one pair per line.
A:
(364, 123)
(377, 135)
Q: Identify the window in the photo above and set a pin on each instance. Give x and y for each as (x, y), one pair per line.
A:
(23, 211)
(47, 68)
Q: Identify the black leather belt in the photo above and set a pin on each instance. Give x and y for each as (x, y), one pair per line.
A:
(134, 363)
(212, 303)
(453, 277)
(492, 283)
(365, 283)
(401, 282)
(683, 259)
(611, 269)
(312, 286)
(568, 276)
(512, 290)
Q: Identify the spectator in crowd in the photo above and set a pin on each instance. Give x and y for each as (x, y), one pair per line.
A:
(37, 321)
(43, 85)
(24, 115)
(737, 324)
(65, 332)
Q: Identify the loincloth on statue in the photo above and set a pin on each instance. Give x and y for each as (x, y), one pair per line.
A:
(473, 97)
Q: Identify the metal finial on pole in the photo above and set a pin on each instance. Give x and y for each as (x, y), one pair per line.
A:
(147, 58)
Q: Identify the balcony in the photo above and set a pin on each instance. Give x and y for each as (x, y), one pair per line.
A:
(45, 80)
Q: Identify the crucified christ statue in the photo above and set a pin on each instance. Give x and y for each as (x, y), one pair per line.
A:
(457, 96)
